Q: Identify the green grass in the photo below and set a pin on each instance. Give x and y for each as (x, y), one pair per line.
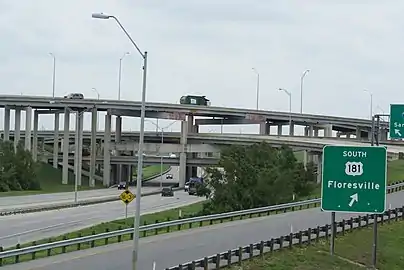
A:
(114, 225)
(50, 180)
(354, 247)
(395, 170)
(152, 170)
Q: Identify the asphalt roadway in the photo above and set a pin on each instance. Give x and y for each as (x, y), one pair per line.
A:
(28, 227)
(9, 202)
(179, 247)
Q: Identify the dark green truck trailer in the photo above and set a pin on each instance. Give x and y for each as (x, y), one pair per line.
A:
(195, 100)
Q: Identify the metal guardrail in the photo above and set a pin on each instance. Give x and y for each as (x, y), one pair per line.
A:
(16, 253)
(40, 208)
(248, 252)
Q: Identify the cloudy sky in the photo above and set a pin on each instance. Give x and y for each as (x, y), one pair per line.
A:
(210, 47)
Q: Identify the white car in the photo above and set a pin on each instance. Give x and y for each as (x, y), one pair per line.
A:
(186, 187)
(172, 155)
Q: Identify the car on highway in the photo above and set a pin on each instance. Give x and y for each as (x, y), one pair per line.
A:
(169, 176)
(74, 96)
(186, 187)
(122, 185)
(167, 192)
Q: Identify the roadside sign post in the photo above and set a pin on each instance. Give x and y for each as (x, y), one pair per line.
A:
(126, 197)
(396, 121)
(353, 181)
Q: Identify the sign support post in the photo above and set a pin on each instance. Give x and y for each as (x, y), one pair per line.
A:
(354, 180)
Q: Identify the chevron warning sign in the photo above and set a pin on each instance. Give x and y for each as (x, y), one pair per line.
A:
(127, 196)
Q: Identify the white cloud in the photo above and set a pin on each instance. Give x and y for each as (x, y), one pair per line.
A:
(209, 47)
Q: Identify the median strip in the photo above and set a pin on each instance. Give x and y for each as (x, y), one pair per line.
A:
(153, 224)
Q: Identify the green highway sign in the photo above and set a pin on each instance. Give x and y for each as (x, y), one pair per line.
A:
(396, 121)
(354, 179)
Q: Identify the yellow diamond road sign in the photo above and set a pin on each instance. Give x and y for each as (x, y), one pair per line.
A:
(127, 196)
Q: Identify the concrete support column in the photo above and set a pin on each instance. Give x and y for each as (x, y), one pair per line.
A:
(383, 134)
(358, 133)
(78, 153)
(93, 146)
(28, 128)
(328, 130)
(66, 144)
(315, 131)
(183, 155)
(56, 141)
(35, 137)
(7, 123)
(265, 128)
(306, 131)
(190, 123)
(319, 168)
(196, 128)
(17, 127)
(107, 151)
(292, 129)
(348, 135)
(280, 130)
(310, 130)
(118, 135)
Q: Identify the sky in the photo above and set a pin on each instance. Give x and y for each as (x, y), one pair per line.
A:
(209, 48)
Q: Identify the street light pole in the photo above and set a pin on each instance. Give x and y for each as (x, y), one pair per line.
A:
(290, 105)
(54, 74)
(120, 74)
(371, 102)
(258, 86)
(301, 89)
(135, 253)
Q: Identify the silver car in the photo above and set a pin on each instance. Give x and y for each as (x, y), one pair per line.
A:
(74, 96)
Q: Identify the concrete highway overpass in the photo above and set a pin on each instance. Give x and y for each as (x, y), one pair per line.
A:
(36, 106)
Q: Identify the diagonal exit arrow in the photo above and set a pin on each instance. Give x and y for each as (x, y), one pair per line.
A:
(397, 132)
(354, 198)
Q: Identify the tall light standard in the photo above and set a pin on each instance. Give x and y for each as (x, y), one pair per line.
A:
(290, 105)
(95, 90)
(371, 102)
(301, 89)
(141, 140)
(258, 85)
(54, 74)
(120, 74)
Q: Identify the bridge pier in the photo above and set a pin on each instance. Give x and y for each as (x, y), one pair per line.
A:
(66, 144)
(78, 152)
(17, 127)
(107, 151)
(291, 129)
(35, 136)
(319, 167)
(316, 130)
(93, 155)
(56, 141)
(118, 136)
(28, 123)
(265, 128)
(280, 127)
(183, 155)
(6, 123)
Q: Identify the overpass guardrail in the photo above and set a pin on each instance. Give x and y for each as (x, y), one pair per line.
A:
(53, 248)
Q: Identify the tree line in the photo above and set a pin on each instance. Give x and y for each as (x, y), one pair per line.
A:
(255, 176)
(18, 170)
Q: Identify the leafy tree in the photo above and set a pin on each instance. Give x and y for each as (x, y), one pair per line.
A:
(17, 168)
(255, 176)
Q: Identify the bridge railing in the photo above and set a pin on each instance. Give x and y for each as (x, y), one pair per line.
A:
(52, 248)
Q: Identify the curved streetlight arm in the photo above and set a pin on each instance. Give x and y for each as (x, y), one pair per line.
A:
(127, 34)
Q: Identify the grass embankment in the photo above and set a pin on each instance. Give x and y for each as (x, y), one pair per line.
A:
(50, 180)
(153, 170)
(353, 251)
